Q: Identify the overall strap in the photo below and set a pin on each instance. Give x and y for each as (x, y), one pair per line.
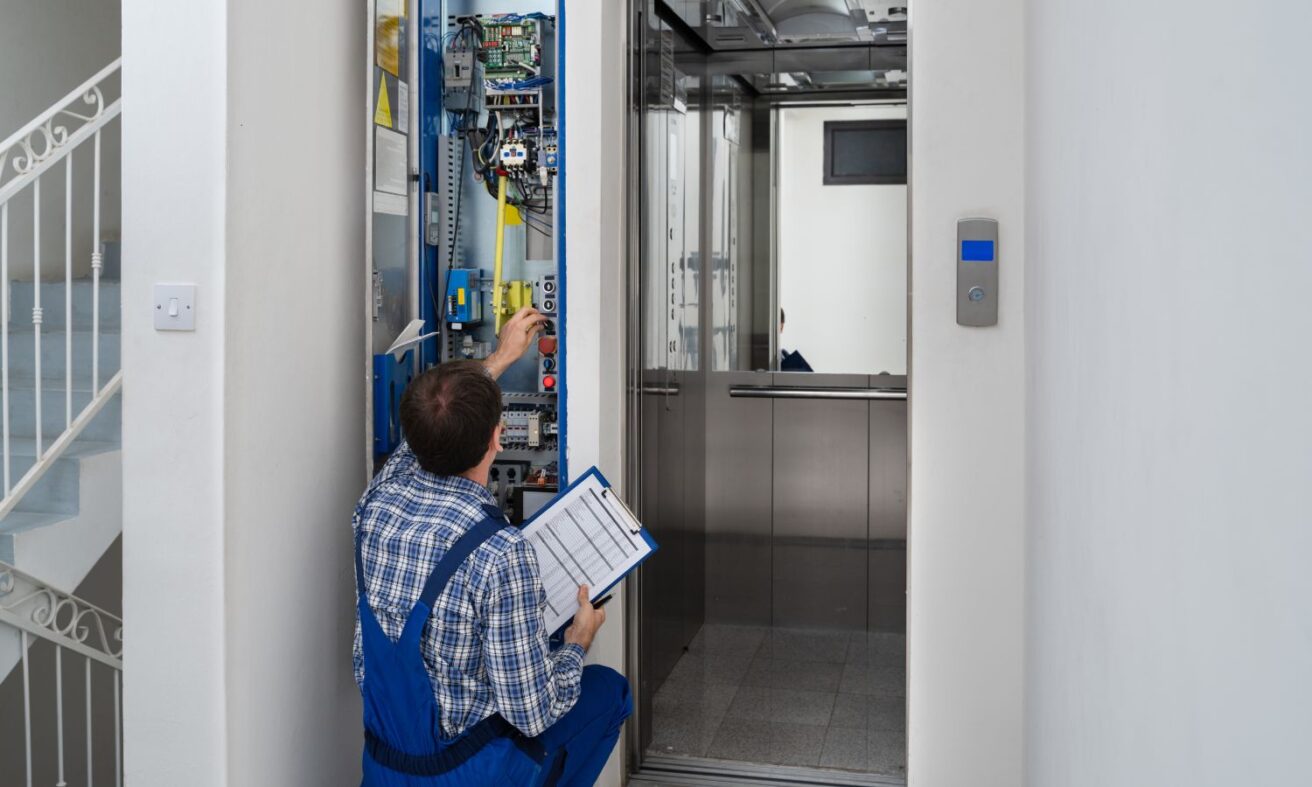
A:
(359, 570)
(450, 563)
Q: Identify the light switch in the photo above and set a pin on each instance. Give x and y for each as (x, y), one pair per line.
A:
(175, 307)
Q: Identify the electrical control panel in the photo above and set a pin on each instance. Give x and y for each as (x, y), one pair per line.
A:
(493, 240)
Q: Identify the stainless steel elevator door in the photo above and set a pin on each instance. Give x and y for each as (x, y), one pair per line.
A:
(739, 502)
(805, 505)
(821, 451)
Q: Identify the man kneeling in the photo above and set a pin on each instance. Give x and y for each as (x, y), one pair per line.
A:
(451, 650)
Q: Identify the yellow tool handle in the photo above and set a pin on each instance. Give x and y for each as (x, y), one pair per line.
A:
(498, 295)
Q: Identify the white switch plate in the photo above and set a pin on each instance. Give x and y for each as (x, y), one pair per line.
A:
(175, 307)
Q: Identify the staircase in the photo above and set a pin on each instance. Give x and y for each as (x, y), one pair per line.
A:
(60, 459)
(66, 521)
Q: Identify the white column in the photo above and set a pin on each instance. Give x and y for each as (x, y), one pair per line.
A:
(966, 547)
(175, 90)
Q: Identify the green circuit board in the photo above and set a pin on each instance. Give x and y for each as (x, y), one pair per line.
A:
(512, 49)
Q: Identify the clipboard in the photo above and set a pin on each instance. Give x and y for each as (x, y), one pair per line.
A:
(585, 535)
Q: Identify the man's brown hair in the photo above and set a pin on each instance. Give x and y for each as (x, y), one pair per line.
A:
(448, 415)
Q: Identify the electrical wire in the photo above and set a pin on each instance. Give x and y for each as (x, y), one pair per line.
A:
(472, 31)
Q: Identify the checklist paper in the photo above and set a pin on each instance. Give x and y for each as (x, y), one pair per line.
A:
(585, 536)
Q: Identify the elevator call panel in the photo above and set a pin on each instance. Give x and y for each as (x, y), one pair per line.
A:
(977, 272)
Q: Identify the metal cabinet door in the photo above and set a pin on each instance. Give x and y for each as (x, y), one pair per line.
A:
(390, 245)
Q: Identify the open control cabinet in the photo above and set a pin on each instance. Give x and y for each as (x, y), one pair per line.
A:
(495, 240)
(483, 141)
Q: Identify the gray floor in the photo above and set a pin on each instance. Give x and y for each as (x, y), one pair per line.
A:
(788, 697)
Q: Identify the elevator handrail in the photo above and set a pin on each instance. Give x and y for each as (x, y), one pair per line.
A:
(807, 392)
(668, 389)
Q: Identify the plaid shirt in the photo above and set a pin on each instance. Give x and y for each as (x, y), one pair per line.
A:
(485, 645)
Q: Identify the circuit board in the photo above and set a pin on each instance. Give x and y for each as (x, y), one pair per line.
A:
(512, 49)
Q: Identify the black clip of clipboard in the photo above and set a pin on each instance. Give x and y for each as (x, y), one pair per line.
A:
(607, 493)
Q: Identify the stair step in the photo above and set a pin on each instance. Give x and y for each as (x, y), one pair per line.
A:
(55, 492)
(22, 349)
(18, 521)
(22, 296)
(55, 496)
(26, 447)
(106, 426)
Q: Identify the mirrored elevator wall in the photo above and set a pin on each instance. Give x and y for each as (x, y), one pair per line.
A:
(778, 498)
(671, 379)
(805, 507)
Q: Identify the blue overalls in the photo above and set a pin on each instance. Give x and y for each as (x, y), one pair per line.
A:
(404, 746)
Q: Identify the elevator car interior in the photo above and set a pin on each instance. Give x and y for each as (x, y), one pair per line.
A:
(766, 444)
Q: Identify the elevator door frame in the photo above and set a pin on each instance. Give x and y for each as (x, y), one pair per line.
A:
(640, 766)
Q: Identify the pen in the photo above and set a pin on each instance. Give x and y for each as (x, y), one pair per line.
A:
(601, 602)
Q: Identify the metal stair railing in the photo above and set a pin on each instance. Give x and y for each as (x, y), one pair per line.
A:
(32, 610)
(52, 137)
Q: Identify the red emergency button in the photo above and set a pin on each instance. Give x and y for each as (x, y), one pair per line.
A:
(549, 382)
(547, 345)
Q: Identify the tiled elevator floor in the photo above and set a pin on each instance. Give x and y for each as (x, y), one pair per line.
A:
(824, 699)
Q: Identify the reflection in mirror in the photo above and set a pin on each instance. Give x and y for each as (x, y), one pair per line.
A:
(841, 239)
(808, 234)
(671, 174)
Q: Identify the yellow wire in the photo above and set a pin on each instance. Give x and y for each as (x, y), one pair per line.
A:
(497, 293)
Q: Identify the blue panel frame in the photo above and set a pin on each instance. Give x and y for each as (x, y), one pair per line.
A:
(391, 376)
(562, 397)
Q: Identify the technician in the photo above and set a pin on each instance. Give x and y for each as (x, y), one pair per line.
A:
(451, 648)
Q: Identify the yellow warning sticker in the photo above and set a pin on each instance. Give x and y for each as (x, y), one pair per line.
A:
(460, 296)
(383, 114)
(513, 219)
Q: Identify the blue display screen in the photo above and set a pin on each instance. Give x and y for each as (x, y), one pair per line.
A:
(977, 251)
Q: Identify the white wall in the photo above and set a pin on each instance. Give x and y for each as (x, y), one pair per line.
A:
(1169, 444)
(242, 440)
(594, 151)
(294, 406)
(967, 408)
(173, 396)
(842, 253)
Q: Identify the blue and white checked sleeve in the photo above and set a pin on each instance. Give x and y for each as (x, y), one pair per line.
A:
(533, 687)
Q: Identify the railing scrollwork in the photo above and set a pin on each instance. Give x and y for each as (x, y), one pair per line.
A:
(29, 604)
(50, 135)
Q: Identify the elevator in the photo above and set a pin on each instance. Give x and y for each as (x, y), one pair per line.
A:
(767, 413)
